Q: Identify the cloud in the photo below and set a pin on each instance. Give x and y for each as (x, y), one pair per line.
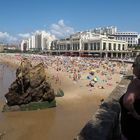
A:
(26, 35)
(57, 30)
(7, 38)
(60, 30)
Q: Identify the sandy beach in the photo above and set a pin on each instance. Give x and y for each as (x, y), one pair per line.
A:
(74, 109)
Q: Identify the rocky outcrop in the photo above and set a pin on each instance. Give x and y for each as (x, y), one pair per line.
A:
(30, 85)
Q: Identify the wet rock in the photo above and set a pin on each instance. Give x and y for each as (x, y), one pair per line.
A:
(11, 108)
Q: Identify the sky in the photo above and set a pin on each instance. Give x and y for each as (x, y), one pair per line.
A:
(20, 18)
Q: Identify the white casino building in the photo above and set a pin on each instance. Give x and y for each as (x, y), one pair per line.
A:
(89, 43)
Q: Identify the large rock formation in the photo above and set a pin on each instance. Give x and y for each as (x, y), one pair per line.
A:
(30, 85)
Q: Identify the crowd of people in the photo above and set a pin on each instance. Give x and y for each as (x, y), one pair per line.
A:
(96, 72)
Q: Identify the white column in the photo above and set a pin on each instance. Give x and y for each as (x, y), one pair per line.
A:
(106, 54)
(116, 55)
(121, 55)
(111, 55)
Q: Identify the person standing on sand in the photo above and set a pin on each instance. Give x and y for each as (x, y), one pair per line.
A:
(130, 106)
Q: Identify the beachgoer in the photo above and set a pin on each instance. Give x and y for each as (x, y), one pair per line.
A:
(130, 106)
(91, 83)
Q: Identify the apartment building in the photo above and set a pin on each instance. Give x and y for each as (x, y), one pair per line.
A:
(130, 37)
(40, 40)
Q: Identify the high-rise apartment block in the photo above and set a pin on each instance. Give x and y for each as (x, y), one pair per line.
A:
(39, 41)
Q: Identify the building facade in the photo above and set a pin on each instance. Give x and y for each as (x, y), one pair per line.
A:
(24, 45)
(130, 37)
(105, 30)
(89, 43)
(39, 41)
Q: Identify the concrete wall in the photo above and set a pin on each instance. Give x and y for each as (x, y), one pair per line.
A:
(105, 124)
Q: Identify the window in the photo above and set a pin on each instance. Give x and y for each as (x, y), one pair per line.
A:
(123, 47)
(109, 46)
(98, 46)
(114, 46)
(94, 46)
(68, 46)
(91, 46)
(85, 46)
(119, 47)
(104, 46)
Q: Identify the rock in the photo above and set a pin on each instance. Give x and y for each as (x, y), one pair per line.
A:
(37, 75)
(7, 108)
(24, 67)
(30, 85)
(49, 96)
(59, 93)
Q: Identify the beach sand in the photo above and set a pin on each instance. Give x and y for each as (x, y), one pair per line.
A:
(65, 121)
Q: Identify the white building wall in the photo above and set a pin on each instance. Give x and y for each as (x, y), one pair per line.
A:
(21, 46)
(30, 43)
(93, 40)
(33, 42)
(24, 42)
(130, 37)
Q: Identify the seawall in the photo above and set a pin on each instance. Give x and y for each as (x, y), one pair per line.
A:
(105, 123)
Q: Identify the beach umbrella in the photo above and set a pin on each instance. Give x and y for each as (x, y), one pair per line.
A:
(95, 79)
(92, 72)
